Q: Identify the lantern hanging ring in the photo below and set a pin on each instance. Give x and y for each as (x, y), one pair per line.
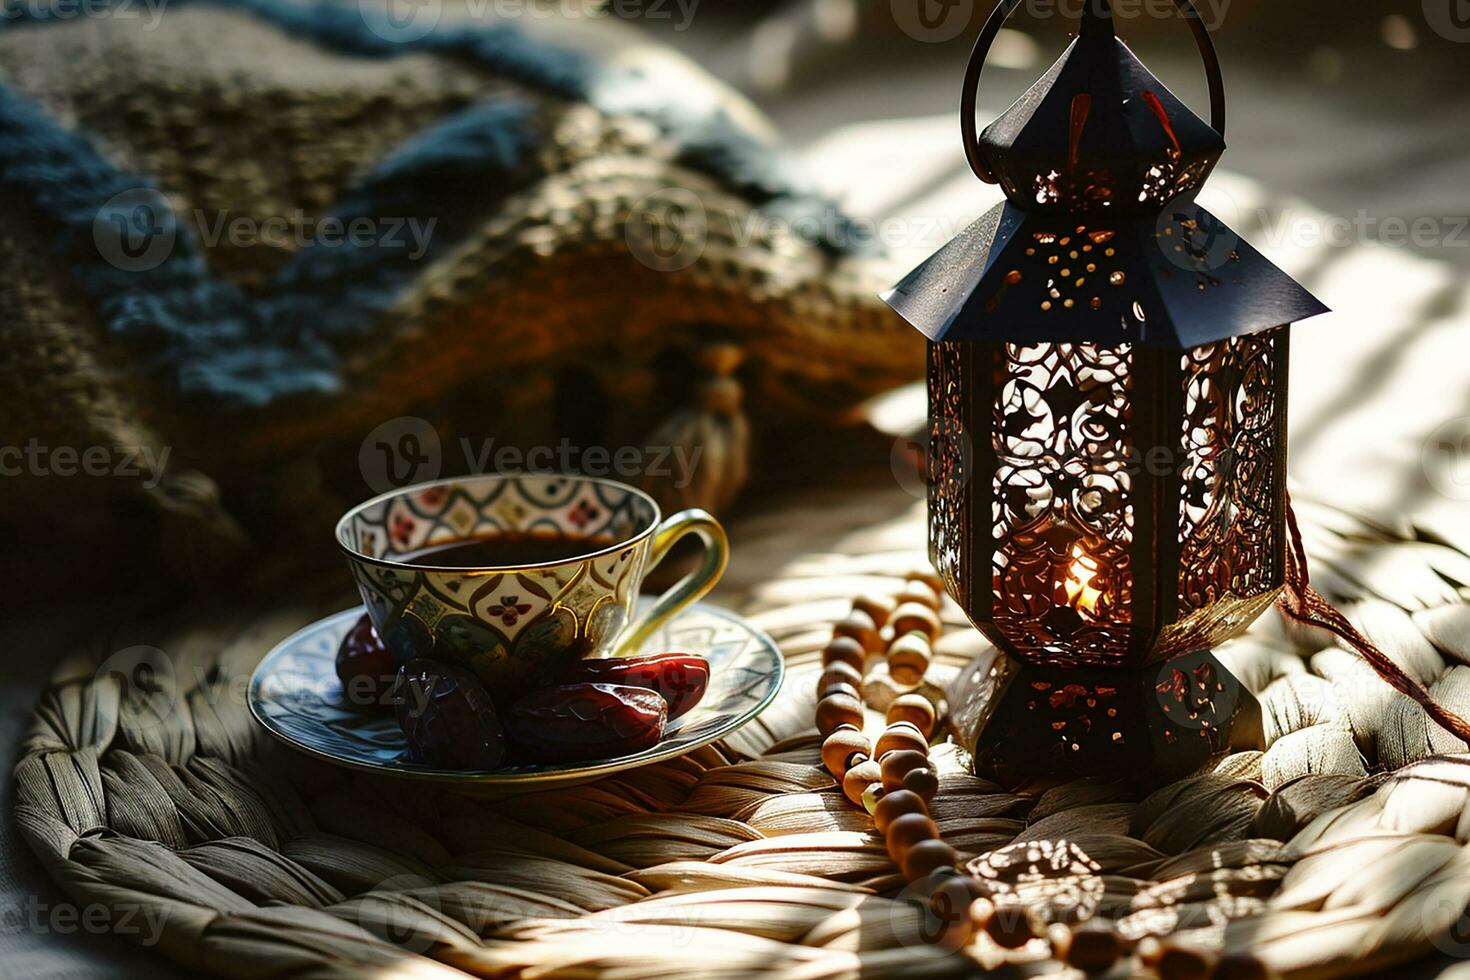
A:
(1097, 21)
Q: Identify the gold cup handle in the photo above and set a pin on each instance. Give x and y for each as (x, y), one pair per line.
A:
(692, 587)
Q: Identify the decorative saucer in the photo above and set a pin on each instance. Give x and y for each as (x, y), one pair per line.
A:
(295, 694)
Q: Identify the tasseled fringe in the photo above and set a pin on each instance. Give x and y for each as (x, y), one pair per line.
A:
(710, 441)
(1304, 604)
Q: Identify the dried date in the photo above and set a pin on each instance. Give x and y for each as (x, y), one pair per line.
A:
(447, 717)
(680, 679)
(366, 668)
(579, 722)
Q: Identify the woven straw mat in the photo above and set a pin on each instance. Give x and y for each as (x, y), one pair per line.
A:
(1339, 849)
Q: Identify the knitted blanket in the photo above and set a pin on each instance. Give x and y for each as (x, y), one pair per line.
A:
(246, 233)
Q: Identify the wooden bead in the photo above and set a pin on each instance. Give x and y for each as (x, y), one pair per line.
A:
(901, 736)
(908, 658)
(928, 576)
(846, 650)
(876, 606)
(973, 887)
(1060, 939)
(1091, 949)
(860, 626)
(912, 617)
(1179, 962)
(843, 688)
(871, 796)
(894, 805)
(839, 673)
(1011, 927)
(896, 765)
(859, 778)
(914, 709)
(1149, 951)
(922, 782)
(920, 593)
(841, 746)
(906, 831)
(1241, 966)
(839, 709)
(927, 856)
(981, 911)
(950, 904)
(953, 894)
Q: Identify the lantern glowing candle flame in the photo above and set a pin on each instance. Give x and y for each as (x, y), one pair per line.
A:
(1082, 594)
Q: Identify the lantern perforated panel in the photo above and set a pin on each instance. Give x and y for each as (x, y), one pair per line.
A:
(1062, 515)
(1124, 504)
(950, 467)
(1232, 496)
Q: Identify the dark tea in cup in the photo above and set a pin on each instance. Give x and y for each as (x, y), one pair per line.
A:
(510, 549)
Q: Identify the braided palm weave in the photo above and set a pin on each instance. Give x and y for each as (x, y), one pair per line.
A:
(1340, 849)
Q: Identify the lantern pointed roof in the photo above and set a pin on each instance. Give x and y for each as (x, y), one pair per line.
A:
(1100, 239)
(1099, 132)
(1180, 279)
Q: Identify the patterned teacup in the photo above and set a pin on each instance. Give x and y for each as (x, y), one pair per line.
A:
(517, 625)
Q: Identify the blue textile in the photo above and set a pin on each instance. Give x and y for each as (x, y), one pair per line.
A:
(208, 339)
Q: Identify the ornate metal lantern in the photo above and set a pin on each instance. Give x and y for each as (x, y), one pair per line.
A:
(1107, 385)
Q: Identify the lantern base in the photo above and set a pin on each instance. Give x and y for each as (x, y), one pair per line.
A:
(1149, 725)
